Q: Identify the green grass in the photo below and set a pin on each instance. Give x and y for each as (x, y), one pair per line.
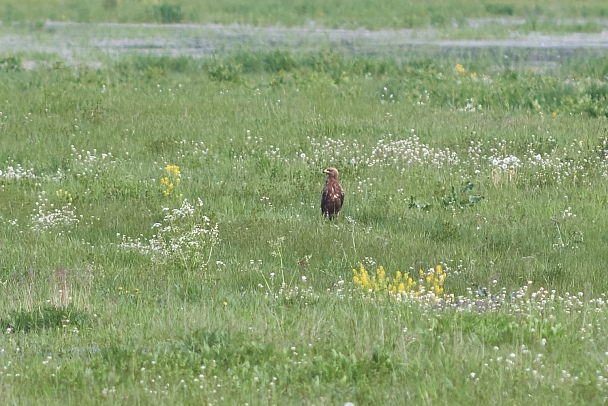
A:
(269, 313)
(565, 16)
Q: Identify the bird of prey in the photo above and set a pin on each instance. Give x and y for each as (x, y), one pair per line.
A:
(333, 195)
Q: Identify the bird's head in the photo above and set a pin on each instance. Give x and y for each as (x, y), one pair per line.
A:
(332, 172)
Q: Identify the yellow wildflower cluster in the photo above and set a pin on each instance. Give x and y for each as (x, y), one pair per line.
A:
(459, 69)
(428, 285)
(64, 195)
(170, 182)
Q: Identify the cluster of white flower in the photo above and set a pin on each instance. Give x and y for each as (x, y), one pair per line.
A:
(46, 215)
(561, 169)
(192, 149)
(540, 162)
(89, 163)
(17, 172)
(410, 151)
(183, 235)
(505, 163)
(470, 107)
(285, 291)
(329, 151)
(387, 151)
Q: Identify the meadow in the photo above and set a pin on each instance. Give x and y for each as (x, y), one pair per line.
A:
(162, 241)
(501, 17)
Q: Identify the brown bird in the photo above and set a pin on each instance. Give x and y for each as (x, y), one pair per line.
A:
(333, 195)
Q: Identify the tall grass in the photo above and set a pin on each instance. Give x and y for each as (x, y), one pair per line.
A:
(115, 289)
(386, 14)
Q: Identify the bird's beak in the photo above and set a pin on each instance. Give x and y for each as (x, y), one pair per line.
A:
(325, 171)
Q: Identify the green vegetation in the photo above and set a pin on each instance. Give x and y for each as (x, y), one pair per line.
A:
(162, 241)
(562, 15)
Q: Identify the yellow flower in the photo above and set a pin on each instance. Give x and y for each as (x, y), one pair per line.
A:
(428, 287)
(459, 69)
(171, 181)
(380, 270)
(173, 169)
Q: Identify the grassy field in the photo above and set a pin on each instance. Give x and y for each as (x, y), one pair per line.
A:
(162, 242)
(560, 16)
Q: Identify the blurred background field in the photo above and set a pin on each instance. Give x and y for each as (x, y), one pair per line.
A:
(561, 15)
(161, 239)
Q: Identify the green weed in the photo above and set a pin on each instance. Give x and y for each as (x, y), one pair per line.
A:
(221, 71)
(448, 17)
(46, 317)
(167, 13)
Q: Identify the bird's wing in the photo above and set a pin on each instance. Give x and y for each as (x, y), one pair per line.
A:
(324, 199)
(341, 196)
